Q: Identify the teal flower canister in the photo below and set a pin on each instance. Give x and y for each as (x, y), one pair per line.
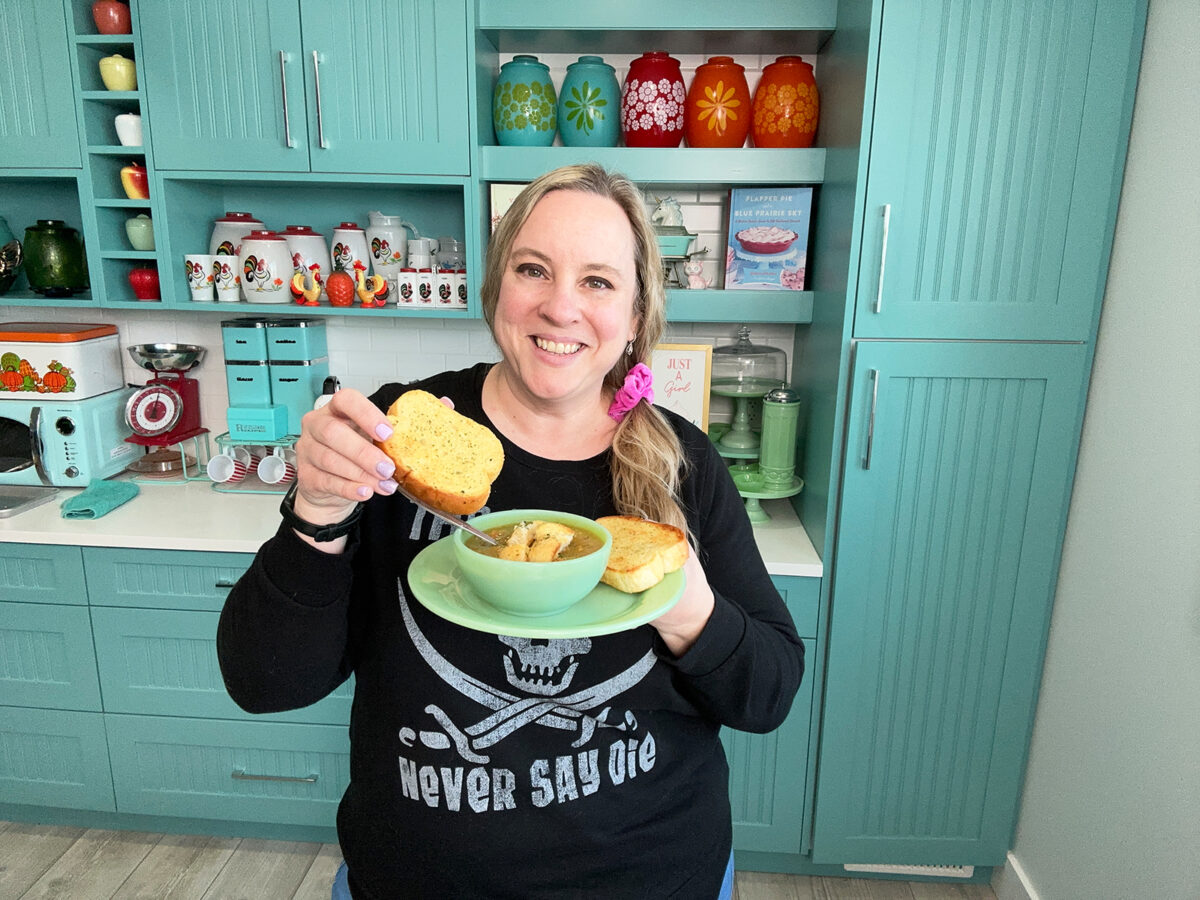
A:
(589, 104)
(524, 105)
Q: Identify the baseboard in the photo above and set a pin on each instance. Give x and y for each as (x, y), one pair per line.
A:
(1010, 882)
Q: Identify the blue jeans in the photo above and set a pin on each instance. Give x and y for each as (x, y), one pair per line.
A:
(341, 890)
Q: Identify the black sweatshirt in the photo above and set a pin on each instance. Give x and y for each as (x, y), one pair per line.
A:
(618, 790)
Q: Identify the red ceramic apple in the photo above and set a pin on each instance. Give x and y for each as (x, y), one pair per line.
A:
(144, 283)
(111, 17)
(135, 182)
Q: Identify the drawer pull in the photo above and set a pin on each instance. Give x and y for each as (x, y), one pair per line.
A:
(239, 775)
(224, 583)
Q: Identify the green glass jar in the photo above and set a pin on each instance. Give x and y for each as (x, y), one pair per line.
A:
(55, 262)
(524, 105)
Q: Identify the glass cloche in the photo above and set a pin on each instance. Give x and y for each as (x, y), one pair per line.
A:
(747, 369)
(745, 372)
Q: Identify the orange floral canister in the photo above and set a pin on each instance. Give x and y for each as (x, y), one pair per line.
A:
(786, 106)
(717, 110)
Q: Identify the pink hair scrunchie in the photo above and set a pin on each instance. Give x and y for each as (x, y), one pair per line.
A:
(637, 386)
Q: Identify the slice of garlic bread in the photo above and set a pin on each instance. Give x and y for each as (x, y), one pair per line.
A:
(441, 456)
(643, 552)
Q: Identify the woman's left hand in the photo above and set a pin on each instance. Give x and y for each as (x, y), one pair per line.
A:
(680, 626)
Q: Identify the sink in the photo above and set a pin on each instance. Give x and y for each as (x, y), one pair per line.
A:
(15, 498)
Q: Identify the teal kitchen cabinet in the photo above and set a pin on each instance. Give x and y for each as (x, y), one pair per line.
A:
(372, 86)
(997, 146)
(955, 496)
(37, 103)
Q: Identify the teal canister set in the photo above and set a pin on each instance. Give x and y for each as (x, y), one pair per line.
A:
(527, 112)
(275, 369)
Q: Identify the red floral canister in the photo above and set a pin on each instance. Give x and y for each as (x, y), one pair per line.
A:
(717, 112)
(652, 102)
(786, 106)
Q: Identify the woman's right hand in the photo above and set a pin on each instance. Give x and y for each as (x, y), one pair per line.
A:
(337, 462)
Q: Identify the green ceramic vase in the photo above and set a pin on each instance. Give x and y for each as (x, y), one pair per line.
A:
(54, 259)
(524, 105)
(589, 105)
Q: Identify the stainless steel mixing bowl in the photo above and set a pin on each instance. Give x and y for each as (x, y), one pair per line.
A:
(167, 357)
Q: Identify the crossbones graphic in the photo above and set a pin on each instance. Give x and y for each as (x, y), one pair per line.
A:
(512, 712)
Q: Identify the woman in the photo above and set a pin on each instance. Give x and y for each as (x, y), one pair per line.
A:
(621, 789)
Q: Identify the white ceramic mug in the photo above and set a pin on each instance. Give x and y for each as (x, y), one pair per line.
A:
(129, 129)
(279, 467)
(198, 268)
(230, 466)
(227, 279)
(420, 260)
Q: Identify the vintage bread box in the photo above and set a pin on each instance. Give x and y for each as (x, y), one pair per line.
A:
(70, 359)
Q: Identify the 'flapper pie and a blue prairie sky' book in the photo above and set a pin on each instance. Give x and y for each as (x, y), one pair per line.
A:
(768, 238)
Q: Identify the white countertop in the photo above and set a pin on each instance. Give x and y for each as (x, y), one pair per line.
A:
(193, 516)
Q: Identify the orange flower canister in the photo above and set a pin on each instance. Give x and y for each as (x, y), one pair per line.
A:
(717, 110)
(786, 106)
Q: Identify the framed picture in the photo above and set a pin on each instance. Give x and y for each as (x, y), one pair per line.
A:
(502, 196)
(682, 378)
(768, 238)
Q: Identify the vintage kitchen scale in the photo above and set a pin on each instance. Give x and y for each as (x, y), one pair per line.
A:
(165, 414)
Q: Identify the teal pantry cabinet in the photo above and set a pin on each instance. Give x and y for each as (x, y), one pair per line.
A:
(997, 138)
(37, 103)
(373, 86)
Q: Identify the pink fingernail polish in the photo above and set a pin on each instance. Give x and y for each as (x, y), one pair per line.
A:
(383, 431)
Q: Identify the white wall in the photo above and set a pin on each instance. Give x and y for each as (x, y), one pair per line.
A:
(1111, 808)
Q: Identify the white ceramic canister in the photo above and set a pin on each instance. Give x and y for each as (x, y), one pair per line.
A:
(443, 284)
(406, 293)
(266, 267)
(308, 248)
(229, 230)
(350, 246)
(424, 287)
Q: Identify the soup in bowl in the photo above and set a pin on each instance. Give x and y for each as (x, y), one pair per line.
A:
(546, 561)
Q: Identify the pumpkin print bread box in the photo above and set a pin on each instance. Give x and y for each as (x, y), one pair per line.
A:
(69, 359)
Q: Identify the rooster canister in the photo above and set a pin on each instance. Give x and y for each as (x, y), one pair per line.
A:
(589, 104)
(786, 106)
(228, 231)
(652, 102)
(311, 259)
(11, 257)
(266, 267)
(55, 262)
(350, 247)
(717, 111)
(524, 105)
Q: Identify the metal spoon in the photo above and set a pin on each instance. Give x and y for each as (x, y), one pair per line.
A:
(447, 517)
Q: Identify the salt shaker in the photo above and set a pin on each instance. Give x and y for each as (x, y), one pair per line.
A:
(777, 450)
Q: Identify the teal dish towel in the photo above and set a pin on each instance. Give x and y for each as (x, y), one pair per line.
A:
(98, 498)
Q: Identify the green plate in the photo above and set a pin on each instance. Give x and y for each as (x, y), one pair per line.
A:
(440, 587)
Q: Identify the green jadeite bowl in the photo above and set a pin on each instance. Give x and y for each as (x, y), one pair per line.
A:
(531, 588)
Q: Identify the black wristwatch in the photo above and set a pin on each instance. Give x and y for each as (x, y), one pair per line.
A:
(319, 533)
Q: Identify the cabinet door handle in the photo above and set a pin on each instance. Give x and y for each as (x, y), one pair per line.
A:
(317, 87)
(224, 583)
(287, 125)
(887, 217)
(239, 775)
(871, 421)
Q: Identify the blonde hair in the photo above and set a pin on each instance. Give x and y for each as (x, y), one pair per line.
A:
(647, 457)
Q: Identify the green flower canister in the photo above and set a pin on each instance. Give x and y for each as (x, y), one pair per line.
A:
(524, 105)
(589, 105)
(54, 259)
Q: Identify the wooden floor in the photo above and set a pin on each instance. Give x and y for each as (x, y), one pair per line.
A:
(42, 861)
